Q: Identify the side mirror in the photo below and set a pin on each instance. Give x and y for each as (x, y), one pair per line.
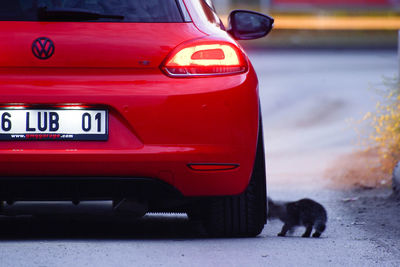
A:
(248, 25)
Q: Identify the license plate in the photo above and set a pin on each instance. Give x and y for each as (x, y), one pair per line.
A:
(53, 124)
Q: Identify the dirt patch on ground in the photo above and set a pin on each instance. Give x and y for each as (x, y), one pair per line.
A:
(361, 169)
(377, 212)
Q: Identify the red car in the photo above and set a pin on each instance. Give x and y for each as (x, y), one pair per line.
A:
(149, 103)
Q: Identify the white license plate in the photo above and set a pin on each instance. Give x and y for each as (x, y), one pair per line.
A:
(53, 124)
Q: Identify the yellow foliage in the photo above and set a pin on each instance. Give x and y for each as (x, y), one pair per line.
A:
(385, 122)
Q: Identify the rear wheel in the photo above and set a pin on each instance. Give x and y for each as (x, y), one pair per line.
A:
(243, 215)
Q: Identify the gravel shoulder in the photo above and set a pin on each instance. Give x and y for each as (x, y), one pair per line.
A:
(377, 212)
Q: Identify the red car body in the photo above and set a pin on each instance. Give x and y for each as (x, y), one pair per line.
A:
(198, 134)
(157, 124)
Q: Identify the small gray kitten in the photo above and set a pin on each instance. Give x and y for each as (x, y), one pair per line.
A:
(304, 212)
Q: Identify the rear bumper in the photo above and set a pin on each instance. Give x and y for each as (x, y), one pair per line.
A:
(157, 126)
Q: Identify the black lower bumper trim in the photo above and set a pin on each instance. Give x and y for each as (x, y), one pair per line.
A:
(84, 188)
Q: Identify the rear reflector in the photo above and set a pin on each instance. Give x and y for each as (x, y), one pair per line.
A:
(205, 59)
(213, 167)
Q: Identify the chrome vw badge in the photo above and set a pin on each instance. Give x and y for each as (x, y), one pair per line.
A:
(43, 48)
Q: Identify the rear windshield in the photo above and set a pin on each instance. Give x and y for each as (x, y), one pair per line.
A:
(83, 10)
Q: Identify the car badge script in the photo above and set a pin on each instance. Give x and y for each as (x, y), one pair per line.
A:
(43, 48)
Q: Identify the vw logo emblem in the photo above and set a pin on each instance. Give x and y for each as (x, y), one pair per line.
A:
(43, 48)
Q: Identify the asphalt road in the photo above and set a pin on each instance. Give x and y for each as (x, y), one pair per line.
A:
(306, 99)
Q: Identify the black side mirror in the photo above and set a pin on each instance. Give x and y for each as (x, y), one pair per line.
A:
(248, 25)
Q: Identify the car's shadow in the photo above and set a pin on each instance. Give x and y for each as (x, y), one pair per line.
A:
(29, 221)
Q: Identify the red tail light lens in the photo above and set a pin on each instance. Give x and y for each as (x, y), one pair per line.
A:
(205, 59)
(213, 167)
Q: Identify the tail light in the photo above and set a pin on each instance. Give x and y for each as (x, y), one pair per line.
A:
(205, 58)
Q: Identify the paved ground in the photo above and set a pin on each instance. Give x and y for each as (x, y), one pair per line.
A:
(306, 98)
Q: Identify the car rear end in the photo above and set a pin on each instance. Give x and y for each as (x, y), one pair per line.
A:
(112, 107)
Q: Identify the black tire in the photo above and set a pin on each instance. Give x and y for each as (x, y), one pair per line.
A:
(243, 215)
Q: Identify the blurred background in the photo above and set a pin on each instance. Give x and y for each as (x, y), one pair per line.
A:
(329, 90)
(325, 23)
